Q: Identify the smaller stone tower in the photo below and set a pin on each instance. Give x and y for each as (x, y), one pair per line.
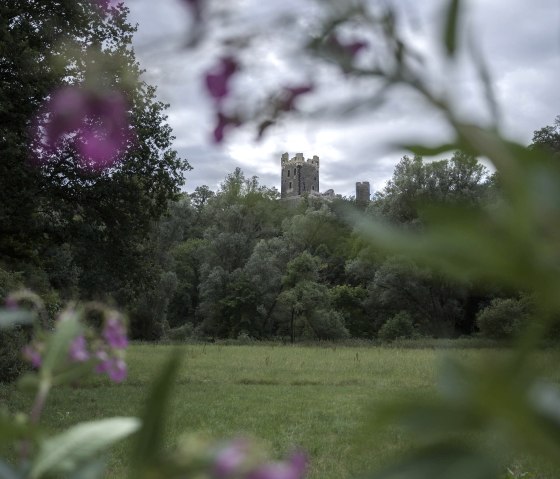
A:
(299, 176)
(362, 193)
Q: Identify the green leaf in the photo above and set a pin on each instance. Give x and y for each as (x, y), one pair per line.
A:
(149, 441)
(14, 427)
(443, 461)
(7, 472)
(65, 452)
(450, 33)
(90, 470)
(67, 328)
(13, 317)
(423, 150)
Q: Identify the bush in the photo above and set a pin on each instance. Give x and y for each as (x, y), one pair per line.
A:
(182, 333)
(503, 318)
(400, 326)
(11, 341)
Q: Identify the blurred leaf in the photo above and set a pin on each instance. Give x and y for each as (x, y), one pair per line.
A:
(6, 472)
(13, 317)
(443, 461)
(28, 382)
(149, 441)
(13, 428)
(66, 329)
(90, 470)
(62, 453)
(450, 32)
(423, 150)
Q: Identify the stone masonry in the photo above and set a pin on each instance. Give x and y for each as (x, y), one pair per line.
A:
(299, 176)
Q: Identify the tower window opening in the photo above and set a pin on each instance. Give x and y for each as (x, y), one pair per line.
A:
(288, 173)
(290, 185)
(294, 172)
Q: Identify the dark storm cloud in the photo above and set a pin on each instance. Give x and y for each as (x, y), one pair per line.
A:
(520, 42)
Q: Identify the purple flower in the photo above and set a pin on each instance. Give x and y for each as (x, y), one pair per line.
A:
(96, 124)
(114, 333)
(78, 350)
(230, 459)
(223, 123)
(217, 80)
(290, 94)
(295, 468)
(117, 370)
(114, 367)
(33, 355)
(350, 49)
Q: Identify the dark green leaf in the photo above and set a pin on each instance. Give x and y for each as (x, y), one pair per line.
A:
(442, 461)
(149, 441)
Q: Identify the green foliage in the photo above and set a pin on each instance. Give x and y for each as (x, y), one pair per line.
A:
(503, 318)
(400, 326)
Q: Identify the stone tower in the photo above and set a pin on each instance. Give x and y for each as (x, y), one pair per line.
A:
(362, 193)
(299, 176)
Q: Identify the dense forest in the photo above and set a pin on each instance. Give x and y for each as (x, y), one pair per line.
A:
(237, 262)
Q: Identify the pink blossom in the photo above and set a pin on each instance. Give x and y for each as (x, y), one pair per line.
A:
(33, 355)
(223, 122)
(295, 468)
(230, 459)
(117, 370)
(290, 94)
(11, 302)
(114, 333)
(78, 349)
(217, 79)
(350, 49)
(95, 123)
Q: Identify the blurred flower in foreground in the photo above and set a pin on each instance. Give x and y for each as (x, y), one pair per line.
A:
(96, 124)
(104, 350)
(218, 78)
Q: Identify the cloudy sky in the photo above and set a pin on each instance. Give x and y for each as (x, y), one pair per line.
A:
(519, 39)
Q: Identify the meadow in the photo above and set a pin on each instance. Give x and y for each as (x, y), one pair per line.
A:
(318, 398)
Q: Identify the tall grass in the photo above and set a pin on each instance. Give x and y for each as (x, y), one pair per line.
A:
(318, 398)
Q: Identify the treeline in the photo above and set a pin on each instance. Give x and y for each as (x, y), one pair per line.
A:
(240, 263)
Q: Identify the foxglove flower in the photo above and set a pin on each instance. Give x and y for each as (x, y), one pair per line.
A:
(230, 460)
(78, 350)
(290, 94)
(223, 122)
(295, 468)
(32, 353)
(96, 124)
(217, 80)
(114, 333)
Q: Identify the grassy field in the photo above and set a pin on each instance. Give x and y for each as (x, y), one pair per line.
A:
(313, 397)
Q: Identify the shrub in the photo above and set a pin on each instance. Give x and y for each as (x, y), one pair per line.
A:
(503, 318)
(182, 333)
(400, 326)
(11, 341)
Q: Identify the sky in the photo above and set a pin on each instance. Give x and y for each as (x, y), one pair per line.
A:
(519, 40)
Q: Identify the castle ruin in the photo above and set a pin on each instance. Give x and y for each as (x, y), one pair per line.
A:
(299, 176)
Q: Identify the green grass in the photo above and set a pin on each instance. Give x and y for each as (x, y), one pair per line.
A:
(316, 398)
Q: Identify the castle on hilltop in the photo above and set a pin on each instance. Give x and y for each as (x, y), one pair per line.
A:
(301, 177)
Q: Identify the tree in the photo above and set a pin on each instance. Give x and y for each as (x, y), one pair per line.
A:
(548, 138)
(103, 217)
(460, 180)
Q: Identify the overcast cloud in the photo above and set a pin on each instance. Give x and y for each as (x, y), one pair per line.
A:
(519, 39)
